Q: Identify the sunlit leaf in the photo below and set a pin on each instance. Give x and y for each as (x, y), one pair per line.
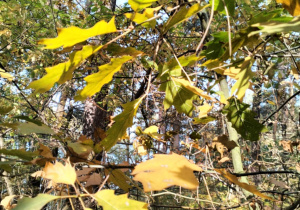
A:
(293, 6)
(104, 76)
(68, 37)
(122, 122)
(35, 203)
(223, 139)
(142, 17)
(234, 179)
(6, 201)
(6, 75)
(58, 173)
(184, 13)
(242, 119)
(21, 153)
(140, 4)
(108, 200)
(164, 171)
(63, 71)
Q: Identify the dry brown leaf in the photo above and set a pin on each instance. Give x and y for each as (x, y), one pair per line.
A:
(45, 152)
(279, 183)
(287, 145)
(298, 167)
(85, 171)
(194, 145)
(164, 171)
(219, 147)
(234, 179)
(94, 179)
(58, 173)
(223, 139)
(6, 202)
(83, 178)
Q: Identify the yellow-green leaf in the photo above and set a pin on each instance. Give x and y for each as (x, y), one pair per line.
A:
(140, 4)
(104, 76)
(115, 50)
(35, 203)
(68, 37)
(6, 75)
(21, 153)
(63, 71)
(243, 78)
(119, 178)
(28, 128)
(122, 122)
(108, 200)
(183, 14)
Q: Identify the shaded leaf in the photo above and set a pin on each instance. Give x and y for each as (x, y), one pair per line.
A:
(68, 37)
(108, 200)
(223, 139)
(37, 122)
(164, 171)
(118, 178)
(242, 119)
(63, 71)
(45, 151)
(35, 203)
(220, 7)
(28, 128)
(184, 13)
(5, 109)
(247, 187)
(21, 153)
(116, 50)
(122, 122)
(94, 179)
(104, 76)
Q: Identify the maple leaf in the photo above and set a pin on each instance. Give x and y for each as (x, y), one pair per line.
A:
(63, 71)
(58, 173)
(68, 37)
(246, 186)
(164, 171)
(104, 76)
(122, 122)
(108, 200)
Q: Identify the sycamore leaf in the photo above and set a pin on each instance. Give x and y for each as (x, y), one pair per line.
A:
(35, 203)
(93, 180)
(28, 128)
(247, 187)
(21, 117)
(63, 71)
(140, 18)
(104, 76)
(5, 109)
(6, 75)
(140, 4)
(6, 201)
(68, 37)
(219, 6)
(242, 119)
(122, 122)
(293, 6)
(118, 178)
(58, 173)
(185, 83)
(183, 14)
(152, 131)
(116, 50)
(108, 200)
(176, 94)
(272, 27)
(243, 78)
(21, 153)
(203, 118)
(164, 171)
(6, 165)
(45, 152)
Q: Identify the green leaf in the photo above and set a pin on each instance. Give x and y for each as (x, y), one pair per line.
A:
(37, 122)
(176, 93)
(108, 200)
(215, 48)
(21, 153)
(203, 120)
(273, 27)
(140, 4)
(68, 37)
(6, 165)
(219, 6)
(28, 128)
(119, 178)
(183, 14)
(243, 78)
(122, 122)
(104, 76)
(242, 120)
(5, 109)
(35, 203)
(63, 71)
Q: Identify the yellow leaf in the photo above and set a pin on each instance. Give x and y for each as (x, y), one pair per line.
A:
(271, 102)
(164, 171)
(204, 110)
(63, 71)
(294, 72)
(140, 18)
(58, 173)
(104, 76)
(247, 187)
(6, 202)
(6, 75)
(108, 200)
(140, 4)
(68, 37)
(185, 83)
(293, 6)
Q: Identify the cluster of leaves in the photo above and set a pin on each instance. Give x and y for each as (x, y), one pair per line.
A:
(130, 56)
